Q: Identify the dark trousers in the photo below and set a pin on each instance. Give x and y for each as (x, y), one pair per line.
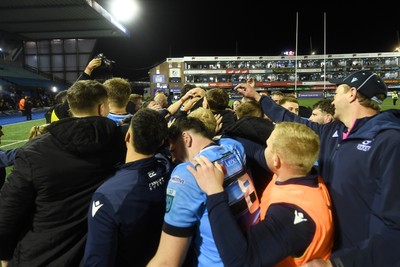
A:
(28, 114)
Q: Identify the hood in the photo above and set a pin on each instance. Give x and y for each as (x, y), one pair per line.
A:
(385, 120)
(84, 135)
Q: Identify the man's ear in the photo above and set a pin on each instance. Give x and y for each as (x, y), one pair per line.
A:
(352, 95)
(328, 118)
(103, 110)
(187, 139)
(277, 161)
(100, 109)
(127, 137)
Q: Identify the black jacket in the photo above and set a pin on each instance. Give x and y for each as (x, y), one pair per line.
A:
(44, 203)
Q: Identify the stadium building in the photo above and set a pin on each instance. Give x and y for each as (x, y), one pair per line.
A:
(305, 75)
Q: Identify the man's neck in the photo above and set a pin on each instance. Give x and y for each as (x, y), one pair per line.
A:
(118, 111)
(198, 144)
(132, 156)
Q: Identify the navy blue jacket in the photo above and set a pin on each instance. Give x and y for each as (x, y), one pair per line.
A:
(362, 176)
(126, 214)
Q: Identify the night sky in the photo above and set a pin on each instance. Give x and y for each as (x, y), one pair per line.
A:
(177, 28)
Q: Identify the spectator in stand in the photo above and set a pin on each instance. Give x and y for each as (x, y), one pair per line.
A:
(126, 215)
(217, 99)
(323, 111)
(186, 218)
(293, 228)
(359, 158)
(28, 108)
(44, 204)
(119, 90)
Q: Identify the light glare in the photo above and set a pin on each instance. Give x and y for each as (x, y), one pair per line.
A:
(124, 10)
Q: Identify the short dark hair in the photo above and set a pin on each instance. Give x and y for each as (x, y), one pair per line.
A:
(60, 96)
(84, 95)
(217, 99)
(149, 131)
(186, 88)
(249, 108)
(182, 124)
(325, 105)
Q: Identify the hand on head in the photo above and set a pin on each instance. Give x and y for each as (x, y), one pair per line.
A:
(218, 118)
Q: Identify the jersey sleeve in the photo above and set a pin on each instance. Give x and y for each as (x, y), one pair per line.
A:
(101, 244)
(185, 203)
(265, 243)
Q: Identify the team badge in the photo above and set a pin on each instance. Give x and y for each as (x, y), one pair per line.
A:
(169, 199)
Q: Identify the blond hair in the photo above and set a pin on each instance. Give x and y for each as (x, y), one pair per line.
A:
(37, 130)
(297, 144)
(207, 117)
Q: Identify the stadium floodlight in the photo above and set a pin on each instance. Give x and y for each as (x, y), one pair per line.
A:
(124, 10)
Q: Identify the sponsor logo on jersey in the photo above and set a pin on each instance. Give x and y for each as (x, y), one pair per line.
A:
(177, 180)
(170, 197)
(157, 183)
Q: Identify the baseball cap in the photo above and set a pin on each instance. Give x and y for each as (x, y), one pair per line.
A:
(367, 83)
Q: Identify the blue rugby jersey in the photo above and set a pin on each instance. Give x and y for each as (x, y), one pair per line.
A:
(186, 213)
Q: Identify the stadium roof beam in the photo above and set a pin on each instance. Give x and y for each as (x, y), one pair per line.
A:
(58, 19)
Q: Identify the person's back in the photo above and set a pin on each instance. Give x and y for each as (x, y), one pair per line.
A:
(119, 90)
(43, 206)
(126, 214)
